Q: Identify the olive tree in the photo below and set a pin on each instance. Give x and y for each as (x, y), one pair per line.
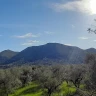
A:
(77, 74)
(8, 82)
(49, 79)
(25, 75)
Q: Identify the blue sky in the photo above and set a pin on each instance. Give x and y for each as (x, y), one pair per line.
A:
(26, 23)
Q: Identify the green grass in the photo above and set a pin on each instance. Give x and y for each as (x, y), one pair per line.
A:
(65, 89)
(34, 90)
(30, 90)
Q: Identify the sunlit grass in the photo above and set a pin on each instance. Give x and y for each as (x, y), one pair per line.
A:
(30, 90)
(65, 89)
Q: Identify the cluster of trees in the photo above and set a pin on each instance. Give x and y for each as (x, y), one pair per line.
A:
(51, 77)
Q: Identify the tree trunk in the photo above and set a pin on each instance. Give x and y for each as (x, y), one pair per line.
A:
(49, 92)
(7, 94)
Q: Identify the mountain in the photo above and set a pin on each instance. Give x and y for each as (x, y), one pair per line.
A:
(50, 52)
(6, 55)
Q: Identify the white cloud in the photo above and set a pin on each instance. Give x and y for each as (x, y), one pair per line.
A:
(84, 6)
(73, 26)
(68, 44)
(28, 35)
(49, 33)
(30, 43)
(83, 38)
(94, 40)
(33, 41)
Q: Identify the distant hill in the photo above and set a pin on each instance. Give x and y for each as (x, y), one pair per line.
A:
(6, 55)
(48, 54)
(91, 50)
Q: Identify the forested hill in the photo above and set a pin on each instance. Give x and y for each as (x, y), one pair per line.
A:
(53, 52)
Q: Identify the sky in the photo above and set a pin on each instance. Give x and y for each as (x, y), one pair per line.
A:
(25, 23)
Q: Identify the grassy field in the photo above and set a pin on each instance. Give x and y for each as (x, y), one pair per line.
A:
(34, 90)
